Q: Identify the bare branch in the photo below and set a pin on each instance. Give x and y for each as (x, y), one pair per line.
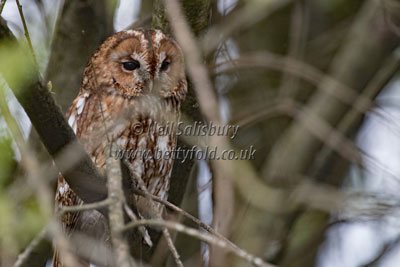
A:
(350, 120)
(81, 27)
(96, 205)
(116, 215)
(247, 16)
(157, 211)
(197, 71)
(298, 36)
(28, 38)
(342, 93)
(56, 134)
(296, 145)
(200, 235)
(24, 256)
(143, 231)
(223, 189)
(172, 248)
(190, 217)
(2, 4)
(63, 244)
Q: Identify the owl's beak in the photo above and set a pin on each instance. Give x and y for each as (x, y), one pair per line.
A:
(151, 84)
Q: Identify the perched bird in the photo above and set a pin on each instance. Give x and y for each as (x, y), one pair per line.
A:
(132, 87)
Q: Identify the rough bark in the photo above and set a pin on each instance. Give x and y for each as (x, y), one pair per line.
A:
(81, 28)
(197, 14)
(56, 135)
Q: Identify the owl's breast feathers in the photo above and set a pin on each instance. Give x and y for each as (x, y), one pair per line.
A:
(132, 125)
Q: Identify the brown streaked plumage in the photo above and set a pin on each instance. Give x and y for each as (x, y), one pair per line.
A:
(136, 77)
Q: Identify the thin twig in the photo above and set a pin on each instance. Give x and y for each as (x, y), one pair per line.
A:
(381, 78)
(195, 220)
(86, 247)
(22, 258)
(245, 17)
(28, 38)
(142, 229)
(66, 256)
(187, 215)
(116, 215)
(256, 261)
(297, 39)
(197, 71)
(172, 248)
(91, 206)
(77, 243)
(334, 139)
(298, 68)
(345, 67)
(222, 170)
(32, 167)
(158, 213)
(3, 2)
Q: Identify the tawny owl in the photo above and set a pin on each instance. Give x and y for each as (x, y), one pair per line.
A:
(132, 87)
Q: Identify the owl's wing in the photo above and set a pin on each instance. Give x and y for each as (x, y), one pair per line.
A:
(78, 111)
(64, 195)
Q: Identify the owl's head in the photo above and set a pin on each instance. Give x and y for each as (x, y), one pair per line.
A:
(138, 62)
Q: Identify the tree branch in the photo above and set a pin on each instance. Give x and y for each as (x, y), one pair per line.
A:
(115, 210)
(26, 32)
(2, 4)
(83, 25)
(200, 235)
(296, 145)
(55, 132)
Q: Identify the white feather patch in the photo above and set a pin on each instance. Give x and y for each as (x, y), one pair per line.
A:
(142, 142)
(61, 190)
(132, 32)
(80, 105)
(72, 122)
(159, 36)
(71, 119)
(121, 142)
(162, 143)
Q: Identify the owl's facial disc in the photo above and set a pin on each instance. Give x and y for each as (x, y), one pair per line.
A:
(145, 62)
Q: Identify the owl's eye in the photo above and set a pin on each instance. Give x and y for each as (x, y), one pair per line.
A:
(164, 65)
(131, 65)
